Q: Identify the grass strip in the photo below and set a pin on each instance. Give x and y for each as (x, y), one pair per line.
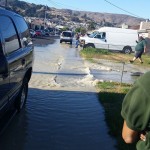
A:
(91, 53)
(111, 95)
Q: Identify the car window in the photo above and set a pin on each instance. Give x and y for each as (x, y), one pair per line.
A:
(67, 34)
(23, 28)
(101, 35)
(92, 35)
(9, 34)
(98, 36)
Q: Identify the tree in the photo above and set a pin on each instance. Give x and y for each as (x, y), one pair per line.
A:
(77, 30)
(80, 30)
(75, 19)
(92, 26)
(64, 29)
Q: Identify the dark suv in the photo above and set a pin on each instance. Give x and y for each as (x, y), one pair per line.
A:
(16, 57)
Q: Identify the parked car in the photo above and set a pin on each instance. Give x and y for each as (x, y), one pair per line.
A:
(47, 32)
(66, 36)
(32, 32)
(16, 58)
(40, 33)
(43, 32)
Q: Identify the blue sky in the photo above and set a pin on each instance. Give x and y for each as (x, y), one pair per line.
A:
(137, 8)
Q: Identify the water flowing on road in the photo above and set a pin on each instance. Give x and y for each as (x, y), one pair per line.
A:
(62, 111)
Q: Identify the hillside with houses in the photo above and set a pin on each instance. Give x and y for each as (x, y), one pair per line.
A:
(50, 16)
(44, 17)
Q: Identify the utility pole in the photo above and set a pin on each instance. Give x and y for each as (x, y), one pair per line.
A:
(5, 3)
(45, 18)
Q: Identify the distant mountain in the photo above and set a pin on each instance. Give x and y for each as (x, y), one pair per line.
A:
(103, 19)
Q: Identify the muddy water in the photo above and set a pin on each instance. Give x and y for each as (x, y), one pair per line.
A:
(62, 110)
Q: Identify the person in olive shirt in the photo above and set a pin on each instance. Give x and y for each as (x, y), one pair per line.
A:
(139, 49)
(136, 113)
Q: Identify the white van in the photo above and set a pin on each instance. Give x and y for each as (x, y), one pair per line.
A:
(112, 39)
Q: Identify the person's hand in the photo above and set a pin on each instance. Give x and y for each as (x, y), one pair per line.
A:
(143, 137)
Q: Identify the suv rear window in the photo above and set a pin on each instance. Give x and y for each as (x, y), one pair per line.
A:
(67, 34)
(23, 28)
(9, 34)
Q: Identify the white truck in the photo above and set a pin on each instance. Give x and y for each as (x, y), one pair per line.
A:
(111, 38)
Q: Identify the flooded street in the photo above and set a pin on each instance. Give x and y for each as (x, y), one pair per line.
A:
(62, 110)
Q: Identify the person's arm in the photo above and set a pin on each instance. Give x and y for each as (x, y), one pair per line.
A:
(145, 46)
(145, 49)
(128, 134)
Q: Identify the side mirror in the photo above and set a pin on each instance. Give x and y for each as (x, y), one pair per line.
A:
(25, 41)
(3, 65)
(105, 40)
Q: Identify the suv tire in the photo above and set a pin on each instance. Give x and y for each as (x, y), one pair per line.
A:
(22, 96)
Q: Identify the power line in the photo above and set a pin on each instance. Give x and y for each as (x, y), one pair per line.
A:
(122, 9)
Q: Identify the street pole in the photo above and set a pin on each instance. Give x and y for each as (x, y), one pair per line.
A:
(6, 3)
(122, 71)
(45, 18)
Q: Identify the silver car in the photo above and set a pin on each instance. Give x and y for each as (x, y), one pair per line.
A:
(66, 36)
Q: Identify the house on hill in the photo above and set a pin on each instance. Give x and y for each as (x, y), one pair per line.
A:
(145, 29)
(145, 32)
